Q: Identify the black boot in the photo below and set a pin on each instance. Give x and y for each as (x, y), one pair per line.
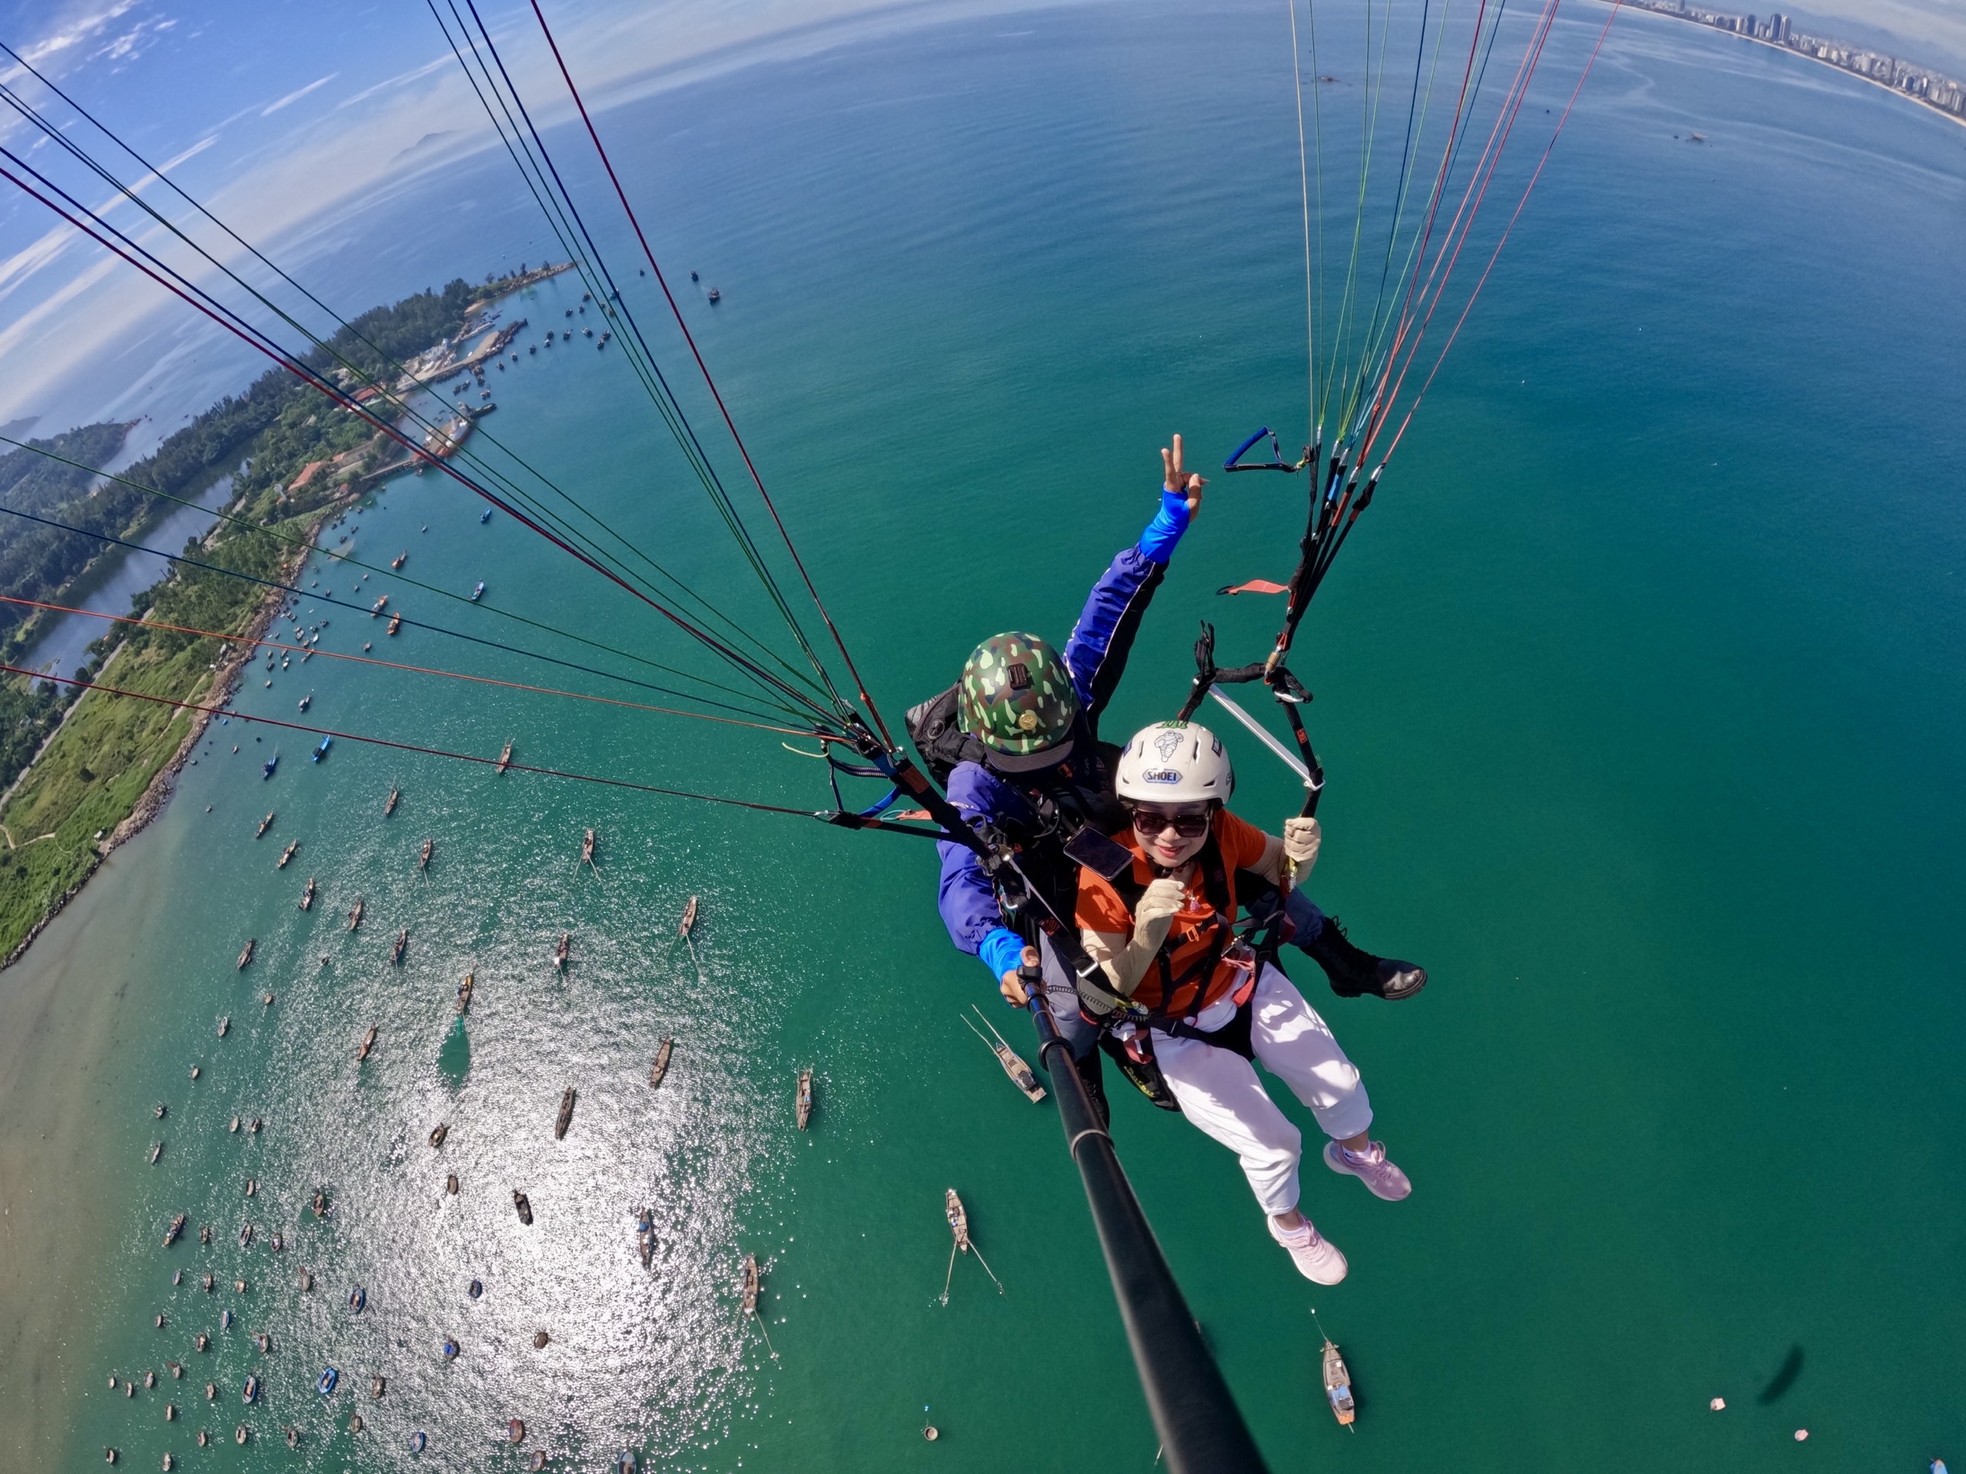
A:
(1354, 972)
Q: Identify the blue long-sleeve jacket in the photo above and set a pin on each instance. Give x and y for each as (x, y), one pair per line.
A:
(1096, 656)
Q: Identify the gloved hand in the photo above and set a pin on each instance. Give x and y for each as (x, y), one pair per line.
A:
(1161, 900)
(1301, 838)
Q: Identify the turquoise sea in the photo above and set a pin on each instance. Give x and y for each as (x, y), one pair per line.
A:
(1640, 689)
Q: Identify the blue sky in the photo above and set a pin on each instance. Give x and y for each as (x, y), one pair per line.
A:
(276, 112)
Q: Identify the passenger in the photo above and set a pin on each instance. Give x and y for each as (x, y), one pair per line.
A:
(1163, 934)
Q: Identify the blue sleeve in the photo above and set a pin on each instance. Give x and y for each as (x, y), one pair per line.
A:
(1158, 541)
(1103, 638)
(966, 898)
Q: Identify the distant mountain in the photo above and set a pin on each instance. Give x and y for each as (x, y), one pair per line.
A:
(14, 429)
(423, 146)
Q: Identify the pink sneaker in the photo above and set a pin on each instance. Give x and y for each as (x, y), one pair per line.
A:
(1370, 1167)
(1316, 1257)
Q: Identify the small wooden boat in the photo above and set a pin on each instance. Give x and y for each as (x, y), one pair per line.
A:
(958, 1218)
(464, 990)
(320, 1203)
(395, 621)
(560, 952)
(176, 1228)
(368, 1042)
(524, 1205)
(402, 943)
(225, 1026)
(479, 592)
(266, 768)
(587, 849)
(379, 605)
(397, 561)
(156, 1152)
(389, 804)
(660, 1067)
(645, 1236)
(505, 758)
(246, 952)
(1013, 1064)
(484, 516)
(423, 859)
(804, 1105)
(748, 1288)
(264, 824)
(439, 1133)
(307, 701)
(322, 750)
(355, 913)
(307, 896)
(715, 296)
(1338, 1385)
(292, 849)
(566, 1115)
(689, 919)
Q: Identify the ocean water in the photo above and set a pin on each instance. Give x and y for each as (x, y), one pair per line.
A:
(1639, 688)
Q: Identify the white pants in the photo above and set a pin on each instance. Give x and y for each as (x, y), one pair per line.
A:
(1218, 1089)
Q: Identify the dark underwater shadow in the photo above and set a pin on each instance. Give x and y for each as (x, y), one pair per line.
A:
(454, 1056)
(1784, 1378)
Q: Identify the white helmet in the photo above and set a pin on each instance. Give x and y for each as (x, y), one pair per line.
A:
(1177, 763)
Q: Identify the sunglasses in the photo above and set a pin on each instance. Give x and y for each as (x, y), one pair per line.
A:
(1151, 822)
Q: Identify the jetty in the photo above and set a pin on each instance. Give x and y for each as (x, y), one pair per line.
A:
(1021, 1074)
(660, 1066)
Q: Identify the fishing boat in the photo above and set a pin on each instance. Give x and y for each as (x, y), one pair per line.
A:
(225, 1026)
(358, 1300)
(355, 913)
(587, 849)
(478, 592)
(560, 952)
(250, 1392)
(566, 1115)
(397, 561)
(661, 1065)
(307, 701)
(395, 621)
(715, 296)
(523, 1204)
(748, 1290)
(1338, 1385)
(645, 1236)
(266, 768)
(378, 606)
(246, 952)
(437, 1135)
(464, 990)
(505, 758)
(804, 1105)
(958, 1219)
(368, 1042)
(484, 516)
(264, 824)
(325, 1385)
(307, 896)
(293, 847)
(1013, 1064)
(322, 751)
(423, 858)
(389, 804)
(176, 1228)
(396, 952)
(689, 919)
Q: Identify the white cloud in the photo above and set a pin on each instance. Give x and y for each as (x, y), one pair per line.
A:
(75, 33)
(400, 79)
(297, 94)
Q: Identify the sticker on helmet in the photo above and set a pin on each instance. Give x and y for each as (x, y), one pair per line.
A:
(1161, 775)
(1167, 744)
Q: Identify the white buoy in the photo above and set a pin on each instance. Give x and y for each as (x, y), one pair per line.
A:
(1802, 1435)
(1718, 1405)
